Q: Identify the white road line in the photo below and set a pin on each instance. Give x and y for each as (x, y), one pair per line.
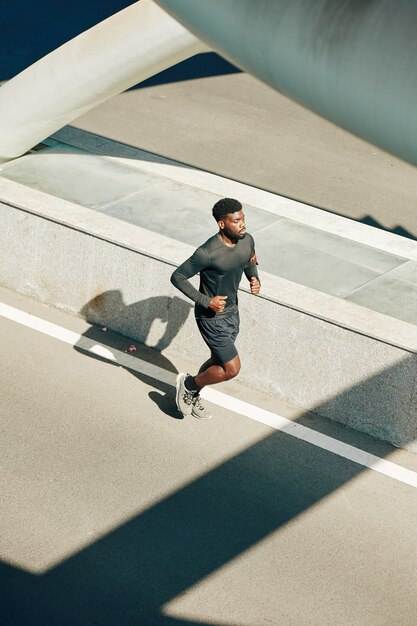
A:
(375, 463)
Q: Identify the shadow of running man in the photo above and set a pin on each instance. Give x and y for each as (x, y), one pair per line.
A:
(119, 326)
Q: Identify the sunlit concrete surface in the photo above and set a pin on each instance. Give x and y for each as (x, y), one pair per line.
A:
(116, 511)
(300, 253)
(239, 128)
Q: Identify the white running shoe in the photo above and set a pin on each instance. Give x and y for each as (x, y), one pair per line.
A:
(199, 410)
(183, 397)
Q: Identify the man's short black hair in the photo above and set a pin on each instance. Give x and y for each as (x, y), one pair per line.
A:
(225, 206)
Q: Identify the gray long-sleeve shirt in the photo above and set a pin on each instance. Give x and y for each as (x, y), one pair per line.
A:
(220, 269)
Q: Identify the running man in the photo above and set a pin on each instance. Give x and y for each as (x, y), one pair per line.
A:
(221, 260)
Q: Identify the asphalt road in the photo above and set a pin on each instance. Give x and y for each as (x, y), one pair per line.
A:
(114, 511)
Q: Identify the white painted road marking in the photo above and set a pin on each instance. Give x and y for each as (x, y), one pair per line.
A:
(375, 463)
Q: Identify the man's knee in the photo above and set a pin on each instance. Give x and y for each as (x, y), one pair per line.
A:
(232, 368)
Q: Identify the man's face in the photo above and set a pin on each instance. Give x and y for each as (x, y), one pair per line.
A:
(233, 225)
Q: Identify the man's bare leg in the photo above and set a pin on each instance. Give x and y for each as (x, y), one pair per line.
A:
(217, 373)
(211, 372)
(211, 361)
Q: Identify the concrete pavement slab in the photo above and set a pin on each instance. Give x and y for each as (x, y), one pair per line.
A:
(77, 176)
(154, 208)
(406, 272)
(337, 246)
(393, 293)
(324, 262)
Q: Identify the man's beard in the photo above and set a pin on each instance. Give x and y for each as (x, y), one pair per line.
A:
(234, 238)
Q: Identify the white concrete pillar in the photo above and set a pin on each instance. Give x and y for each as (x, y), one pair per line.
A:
(116, 54)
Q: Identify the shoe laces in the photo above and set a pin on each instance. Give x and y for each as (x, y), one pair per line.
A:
(188, 396)
(197, 402)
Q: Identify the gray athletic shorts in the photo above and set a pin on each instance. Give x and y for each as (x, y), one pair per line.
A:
(220, 334)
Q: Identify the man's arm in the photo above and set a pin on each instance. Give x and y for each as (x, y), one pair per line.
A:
(180, 278)
(251, 272)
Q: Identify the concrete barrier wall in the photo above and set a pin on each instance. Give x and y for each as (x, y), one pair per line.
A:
(118, 275)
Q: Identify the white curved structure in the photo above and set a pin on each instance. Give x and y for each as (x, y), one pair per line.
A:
(352, 61)
(128, 47)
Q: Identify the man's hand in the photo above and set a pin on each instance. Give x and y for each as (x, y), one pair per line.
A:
(217, 303)
(255, 285)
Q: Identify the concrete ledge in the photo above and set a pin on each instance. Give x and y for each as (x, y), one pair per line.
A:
(253, 196)
(324, 354)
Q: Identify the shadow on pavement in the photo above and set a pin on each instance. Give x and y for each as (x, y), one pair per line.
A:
(129, 575)
(108, 308)
(397, 230)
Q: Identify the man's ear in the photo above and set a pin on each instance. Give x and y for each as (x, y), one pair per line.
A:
(221, 224)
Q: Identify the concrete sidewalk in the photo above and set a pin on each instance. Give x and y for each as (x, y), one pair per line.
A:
(102, 175)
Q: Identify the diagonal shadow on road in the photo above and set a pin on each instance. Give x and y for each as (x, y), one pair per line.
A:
(128, 576)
